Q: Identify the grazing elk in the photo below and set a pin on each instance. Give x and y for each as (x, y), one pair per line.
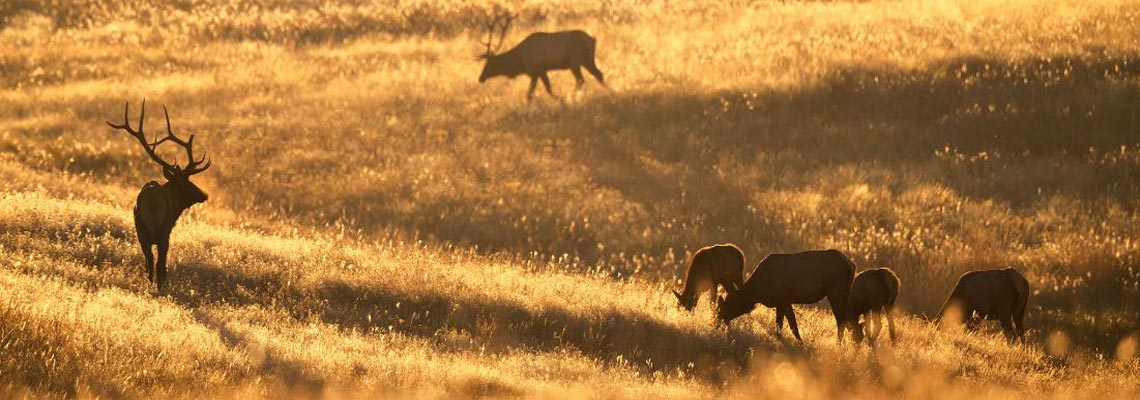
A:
(801, 278)
(158, 206)
(722, 264)
(539, 53)
(998, 294)
(873, 293)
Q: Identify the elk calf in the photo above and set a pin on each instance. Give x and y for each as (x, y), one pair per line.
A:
(801, 278)
(722, 264)
(873, 293)
(158, 206)
(993, 295)
(538, 54)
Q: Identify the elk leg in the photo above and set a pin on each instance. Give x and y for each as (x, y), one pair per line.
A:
(148, 256)
(891, 324)
(876, 324)
(779, 321)
(712, 296)
(1019, 320)
(577, 71)
(533, 84)
(791, 314)
(1007, 328)
(593, 70)
(160, 267)
(546, 83)
(839, 310)
(144, 236)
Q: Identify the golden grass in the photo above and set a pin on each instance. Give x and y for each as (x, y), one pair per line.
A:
(380, 223)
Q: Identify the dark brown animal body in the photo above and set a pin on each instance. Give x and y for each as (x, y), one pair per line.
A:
(801, 278)
(543, 52)
(721, 264)
(158, 207)
(999, 295)
(873, 293)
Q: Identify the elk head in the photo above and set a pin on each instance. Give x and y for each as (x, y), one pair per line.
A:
(687, 302)
(501, 20)
(178, 178)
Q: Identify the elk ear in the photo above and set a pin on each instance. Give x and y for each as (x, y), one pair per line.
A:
(167, 174)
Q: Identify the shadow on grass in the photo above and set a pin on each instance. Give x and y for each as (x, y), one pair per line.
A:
(1035, 120)
(1061, 106)
(299, 380)
(989, 129)
(501, 326)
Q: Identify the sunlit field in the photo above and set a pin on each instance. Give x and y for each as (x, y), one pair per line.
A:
(380, 224)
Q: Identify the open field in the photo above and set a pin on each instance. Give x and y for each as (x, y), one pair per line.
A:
(381, 223)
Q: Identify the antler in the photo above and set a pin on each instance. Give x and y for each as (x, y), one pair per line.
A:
(194, 166)
(492, 22)
(507, 17)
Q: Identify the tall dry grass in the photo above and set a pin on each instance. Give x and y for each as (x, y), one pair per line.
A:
(931, 137)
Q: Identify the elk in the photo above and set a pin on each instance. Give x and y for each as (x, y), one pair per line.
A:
(873, 293)
(997, 294)
(539, 53)
(721, 264)
(801, 278)
(158, 207)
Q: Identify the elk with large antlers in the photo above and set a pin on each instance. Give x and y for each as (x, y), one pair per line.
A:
(538, 54)
(158, 206)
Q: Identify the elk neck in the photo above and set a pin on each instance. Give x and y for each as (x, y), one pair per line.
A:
(183, 194)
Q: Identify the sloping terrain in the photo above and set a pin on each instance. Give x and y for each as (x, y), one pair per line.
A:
(381, 223)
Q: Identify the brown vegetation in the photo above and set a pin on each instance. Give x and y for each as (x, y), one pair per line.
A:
(405, 231)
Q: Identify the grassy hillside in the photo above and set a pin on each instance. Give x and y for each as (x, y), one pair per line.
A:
(379, 222)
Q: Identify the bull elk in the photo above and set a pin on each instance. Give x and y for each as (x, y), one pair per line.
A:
(722, 264)
(998, 294)
(158, 207)
(539, 53)
(801, 278)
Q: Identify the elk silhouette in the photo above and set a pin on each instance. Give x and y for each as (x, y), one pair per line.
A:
(158, 206)
(800, 278)
(873, 293)
(721, 264)
(539, 53)
(998, 294)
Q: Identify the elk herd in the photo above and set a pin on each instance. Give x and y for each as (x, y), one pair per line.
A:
(781, 280)
(858, 301)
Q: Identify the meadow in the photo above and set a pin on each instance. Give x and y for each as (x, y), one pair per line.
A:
(381, 224)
